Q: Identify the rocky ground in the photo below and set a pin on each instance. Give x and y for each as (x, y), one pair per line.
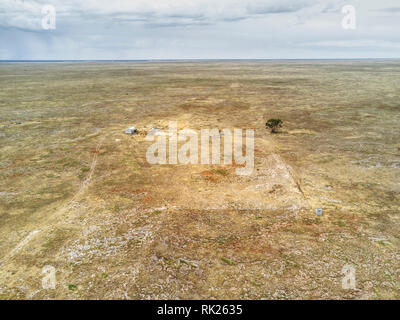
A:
(77, 193)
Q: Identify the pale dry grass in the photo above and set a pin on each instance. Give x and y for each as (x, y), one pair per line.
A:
(119, 228)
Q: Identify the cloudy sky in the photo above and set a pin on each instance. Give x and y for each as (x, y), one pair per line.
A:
(198, 29)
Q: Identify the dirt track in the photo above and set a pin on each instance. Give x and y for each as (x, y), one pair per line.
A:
(78, 194)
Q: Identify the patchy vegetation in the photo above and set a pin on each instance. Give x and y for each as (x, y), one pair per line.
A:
(77, 193)
(274, 125)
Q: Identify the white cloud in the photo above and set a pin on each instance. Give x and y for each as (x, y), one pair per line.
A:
(26, 14)
(140, 29)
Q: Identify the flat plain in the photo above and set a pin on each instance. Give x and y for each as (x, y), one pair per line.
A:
(77, 194)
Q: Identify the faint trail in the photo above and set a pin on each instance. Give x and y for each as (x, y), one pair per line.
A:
(86, 182)
(62, 209)
(89, 178)
(19, 246)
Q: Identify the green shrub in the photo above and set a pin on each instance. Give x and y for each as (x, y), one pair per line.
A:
(274, 125)
(72, 286)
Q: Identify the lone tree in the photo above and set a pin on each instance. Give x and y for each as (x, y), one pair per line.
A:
(274, 125)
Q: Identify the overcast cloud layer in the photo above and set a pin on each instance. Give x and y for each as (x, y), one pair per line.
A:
(198, 29)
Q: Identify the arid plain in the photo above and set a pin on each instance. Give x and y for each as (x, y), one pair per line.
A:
(77, 194)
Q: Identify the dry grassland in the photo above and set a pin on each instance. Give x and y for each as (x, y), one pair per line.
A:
(77, 193)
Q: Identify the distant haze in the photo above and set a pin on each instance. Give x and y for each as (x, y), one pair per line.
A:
(198, 29)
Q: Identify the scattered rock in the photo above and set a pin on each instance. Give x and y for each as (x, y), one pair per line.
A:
(330, 200)
(378, 239)
(131, 130)
(154, 131)
(5, 194)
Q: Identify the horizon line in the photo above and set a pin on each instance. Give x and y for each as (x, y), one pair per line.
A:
(191, 59)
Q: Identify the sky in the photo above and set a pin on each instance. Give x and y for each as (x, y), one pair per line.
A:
(198, 29)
